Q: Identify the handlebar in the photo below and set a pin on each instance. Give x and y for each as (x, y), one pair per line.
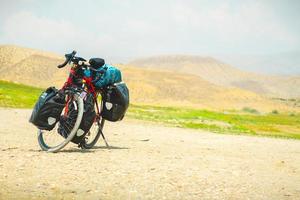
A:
(68, 57)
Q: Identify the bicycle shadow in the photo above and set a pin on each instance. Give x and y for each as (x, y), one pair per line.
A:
(70, 150)
(109, 147)
(76, 150)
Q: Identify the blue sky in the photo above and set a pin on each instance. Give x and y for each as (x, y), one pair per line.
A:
(126, 29)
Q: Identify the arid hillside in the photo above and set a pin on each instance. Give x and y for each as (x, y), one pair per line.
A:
(30, 67)
(11, 55)
(147, 86)
(223, 74)
(167, 88)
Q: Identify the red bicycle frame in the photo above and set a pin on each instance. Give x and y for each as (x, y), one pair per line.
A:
(90, 88)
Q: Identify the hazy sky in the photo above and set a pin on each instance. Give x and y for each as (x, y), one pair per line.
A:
(124, 29)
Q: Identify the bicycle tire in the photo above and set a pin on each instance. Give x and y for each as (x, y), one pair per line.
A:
(89, 145)
(58, 147)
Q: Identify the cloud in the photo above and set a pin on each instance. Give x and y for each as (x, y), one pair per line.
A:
(26, 26)
(122, 30)
(27, 29)
(248, 21)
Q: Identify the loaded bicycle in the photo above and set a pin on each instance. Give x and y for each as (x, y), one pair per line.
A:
(92, 94)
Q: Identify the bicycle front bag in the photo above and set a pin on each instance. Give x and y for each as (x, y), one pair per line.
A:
(47, 110)
(115, 102)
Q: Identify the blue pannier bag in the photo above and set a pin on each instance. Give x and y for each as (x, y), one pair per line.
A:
(108, 75)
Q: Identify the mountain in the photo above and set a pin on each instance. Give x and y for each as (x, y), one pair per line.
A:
(222, 74)
(29, 66)
(11, 55)
(169, 88)
(281, 63)
(147, 86)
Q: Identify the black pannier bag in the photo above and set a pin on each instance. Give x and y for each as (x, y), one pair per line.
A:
(47, 110)
(115, 102)
(87, 121)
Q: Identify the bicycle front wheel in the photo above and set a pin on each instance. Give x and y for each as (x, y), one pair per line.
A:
(51, 141)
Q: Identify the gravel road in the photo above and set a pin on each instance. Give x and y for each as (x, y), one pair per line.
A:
(147, 161)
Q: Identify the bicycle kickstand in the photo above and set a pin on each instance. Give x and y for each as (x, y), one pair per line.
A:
(102, 135)
(104, 139)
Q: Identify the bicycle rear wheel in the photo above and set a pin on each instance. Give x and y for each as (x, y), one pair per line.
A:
(51, 141)
(93, 135)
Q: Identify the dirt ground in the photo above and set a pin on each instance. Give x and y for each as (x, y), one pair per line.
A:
(147, 161)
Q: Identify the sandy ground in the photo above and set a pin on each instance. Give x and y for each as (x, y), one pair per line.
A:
(147, 161)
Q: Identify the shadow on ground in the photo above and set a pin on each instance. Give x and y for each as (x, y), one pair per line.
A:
(109, 147)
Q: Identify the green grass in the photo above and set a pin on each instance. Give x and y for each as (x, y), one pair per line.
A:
(247, 121)
(234, 122)
(17, 95)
